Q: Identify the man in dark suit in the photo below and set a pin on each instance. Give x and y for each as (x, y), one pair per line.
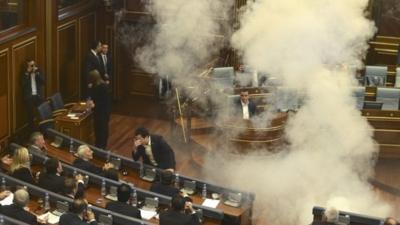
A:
(176, 215)
(78, 214)
(32, 87)
(244, 107)
(51, 178)
(17, 211)
(92, 63)
(153, 150)
(165, 187)
(85, 154)
(74, 187)
(105, 64)
(121, 206)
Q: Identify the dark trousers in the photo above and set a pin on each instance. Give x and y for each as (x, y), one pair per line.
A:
(31, 106)
(101, 130)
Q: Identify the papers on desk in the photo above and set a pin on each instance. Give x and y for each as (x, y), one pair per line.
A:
(8, 200)
(211, 203)
(49, 217)
(73, 116)
(147, 214)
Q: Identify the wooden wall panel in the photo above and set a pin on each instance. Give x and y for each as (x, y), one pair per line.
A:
(87, 34)
(4, 95)
(21, 52)
(67, 63)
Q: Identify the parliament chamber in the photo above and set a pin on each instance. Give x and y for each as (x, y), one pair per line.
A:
(200, 93)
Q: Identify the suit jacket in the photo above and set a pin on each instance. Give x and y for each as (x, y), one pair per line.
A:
(172, 217)
(92, 62)
(162, 153)
(103, 67)
(51, 182)
(124, 209)
(101, 97)
(72, 219)
(19, 213)
(26, 84)
(88, 166)
(23, 174)
(239, 109)
(164, 189)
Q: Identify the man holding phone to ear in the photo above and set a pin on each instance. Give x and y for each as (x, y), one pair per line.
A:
(32, 87)
(78, 214)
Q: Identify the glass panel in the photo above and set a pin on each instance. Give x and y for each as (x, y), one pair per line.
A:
(66, 3)
(11, 13)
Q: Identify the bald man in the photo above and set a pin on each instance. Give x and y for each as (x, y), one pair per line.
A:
(17, 209)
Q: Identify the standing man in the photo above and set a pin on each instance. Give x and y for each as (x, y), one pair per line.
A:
(244, 107)
(32, 87)
(92, 63)
(106, 64)
(153, 150)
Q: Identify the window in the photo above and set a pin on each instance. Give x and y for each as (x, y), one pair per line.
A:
(12, 13)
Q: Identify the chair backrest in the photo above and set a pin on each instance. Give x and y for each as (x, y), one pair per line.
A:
(359, 93)
(45, 111)
(397, 81)
(287, 99)
(389, 97)
(57, 101)
(375, 75)
(223, 77)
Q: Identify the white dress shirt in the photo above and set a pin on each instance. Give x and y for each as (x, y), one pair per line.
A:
(149, 153)
(245, 108)
(33, 84)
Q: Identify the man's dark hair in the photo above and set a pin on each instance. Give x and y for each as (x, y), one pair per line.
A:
(124, 192)
(142, 132)
(78, 206)
(94, 44)
(166, 177)
(178, 203)
(51, 165)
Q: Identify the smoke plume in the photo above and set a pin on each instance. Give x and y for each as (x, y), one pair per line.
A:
(313, 47)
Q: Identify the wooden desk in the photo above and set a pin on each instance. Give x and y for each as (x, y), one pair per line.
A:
(80, 128)
(240, 215)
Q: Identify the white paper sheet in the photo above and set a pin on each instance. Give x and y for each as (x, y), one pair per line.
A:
(8, 200)
(210, 203)
(147, 214)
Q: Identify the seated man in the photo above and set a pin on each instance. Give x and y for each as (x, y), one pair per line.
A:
(17, 209)
(51, 178)
(330, 217)
(153, 150)
(78, 214)
(176, 215)
(165, 187)
(85, 154)
(121, 206)
(244, 107)
(37, 144)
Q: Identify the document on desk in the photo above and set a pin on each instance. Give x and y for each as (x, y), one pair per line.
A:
(210, 203)
(49, 217)
(8, 200)
(147, 214)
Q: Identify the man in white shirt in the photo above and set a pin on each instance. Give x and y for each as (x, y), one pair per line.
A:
(245, 108)
(32, 87)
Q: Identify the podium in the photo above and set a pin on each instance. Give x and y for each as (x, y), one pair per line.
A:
(246, 135)
(77, 123)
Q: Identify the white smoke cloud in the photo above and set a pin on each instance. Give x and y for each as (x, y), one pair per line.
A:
(309, 45)
(186, 36)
